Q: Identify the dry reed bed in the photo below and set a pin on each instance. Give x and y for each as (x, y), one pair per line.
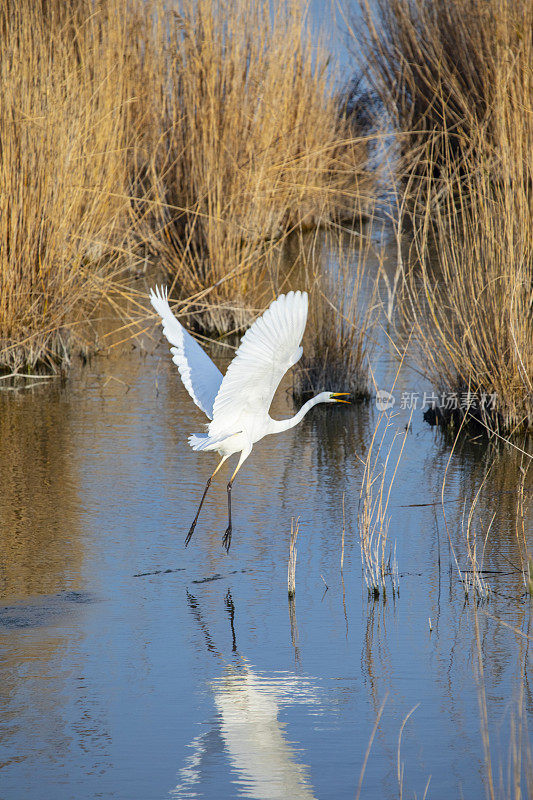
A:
(456, 79)
(196, 139)
(450, 66)
(66, 77)
(252, 144)
(470, 296)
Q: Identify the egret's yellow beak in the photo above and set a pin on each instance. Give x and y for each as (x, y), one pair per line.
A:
(336, 395)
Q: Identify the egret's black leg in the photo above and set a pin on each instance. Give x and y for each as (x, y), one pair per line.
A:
(195, 520)
(226, 541)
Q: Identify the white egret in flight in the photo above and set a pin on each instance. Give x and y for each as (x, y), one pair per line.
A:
(238, 402)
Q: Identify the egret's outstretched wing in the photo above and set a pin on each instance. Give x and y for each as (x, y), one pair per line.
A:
(200, 376)
(267, 350)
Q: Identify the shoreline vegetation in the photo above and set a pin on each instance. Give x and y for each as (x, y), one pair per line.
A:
(192, 139)
(211, 142)
(455, 78)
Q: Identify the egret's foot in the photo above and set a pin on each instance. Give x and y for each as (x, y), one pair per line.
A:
(226, 541)
(189, 535)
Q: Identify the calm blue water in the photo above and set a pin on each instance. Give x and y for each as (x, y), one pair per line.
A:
(200, 682)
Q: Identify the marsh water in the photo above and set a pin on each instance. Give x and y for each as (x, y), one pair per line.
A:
(133, 668)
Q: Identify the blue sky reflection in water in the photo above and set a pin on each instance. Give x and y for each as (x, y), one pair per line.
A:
(133, 668)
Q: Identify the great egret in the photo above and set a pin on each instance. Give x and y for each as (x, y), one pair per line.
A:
(238, 402)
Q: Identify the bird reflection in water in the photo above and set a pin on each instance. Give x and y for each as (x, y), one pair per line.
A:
(264, 763)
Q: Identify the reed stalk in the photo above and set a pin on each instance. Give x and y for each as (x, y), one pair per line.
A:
(291, 570)
(473, 581)
(69, 83)
(521, 531)
(377, 557)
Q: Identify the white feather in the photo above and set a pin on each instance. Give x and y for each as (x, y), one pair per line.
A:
(199, 441)
(200, 376)
(267, 350)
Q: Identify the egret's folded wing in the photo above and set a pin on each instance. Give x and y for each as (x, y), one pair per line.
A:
(200, 376)
(267, 350)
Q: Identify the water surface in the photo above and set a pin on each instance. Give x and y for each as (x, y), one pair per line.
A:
(132, 667)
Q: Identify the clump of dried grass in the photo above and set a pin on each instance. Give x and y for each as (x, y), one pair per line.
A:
(377, 557)
(252, 145)
(449, 66)
(67, 83)
(471, 296)
(456, 79)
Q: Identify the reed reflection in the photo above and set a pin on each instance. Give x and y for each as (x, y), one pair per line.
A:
(39, 514)
(492, 484)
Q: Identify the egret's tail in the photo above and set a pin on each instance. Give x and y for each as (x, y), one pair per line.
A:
(202, 441)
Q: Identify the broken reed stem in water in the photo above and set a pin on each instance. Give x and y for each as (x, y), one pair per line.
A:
(291, 572)
(342, 566)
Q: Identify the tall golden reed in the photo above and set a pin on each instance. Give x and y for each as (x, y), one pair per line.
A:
(252, 144)
(456, 78)
(67, 78)
(450, 66)
(471, 292)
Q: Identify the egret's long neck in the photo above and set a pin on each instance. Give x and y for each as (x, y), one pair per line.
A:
(277, 426)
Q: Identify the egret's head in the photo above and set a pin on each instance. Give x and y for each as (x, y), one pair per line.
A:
(335, 397)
